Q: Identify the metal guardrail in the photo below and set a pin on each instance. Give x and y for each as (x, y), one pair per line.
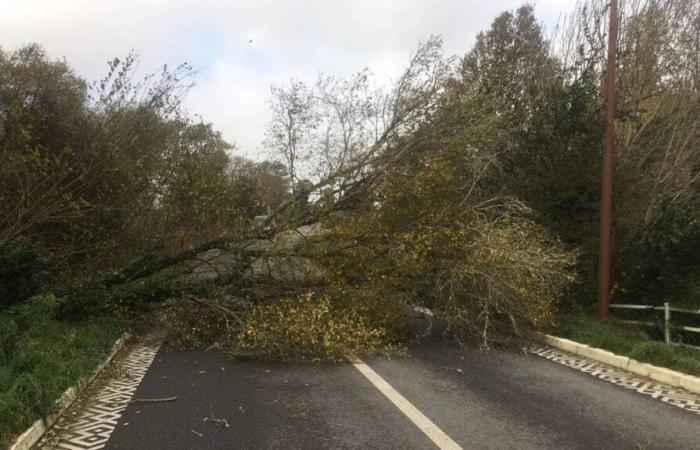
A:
(667, 309)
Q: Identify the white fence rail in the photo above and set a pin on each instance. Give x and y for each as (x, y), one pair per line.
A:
(667, 309)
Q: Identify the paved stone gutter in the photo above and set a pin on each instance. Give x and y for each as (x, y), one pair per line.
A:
(91, 419)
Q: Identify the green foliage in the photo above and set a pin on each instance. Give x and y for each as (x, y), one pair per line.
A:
(193, 325)
(150, 289)
(41, 357)
(35, 311)
(543, 130)
(663, 267)
(628, 341)
(93, 175)
(509, 65)
(80, 300)
(97, 298)
(540, 103)
(9, 336)
(307, 328)
(433, 231)
(19, 270)
(258, 187)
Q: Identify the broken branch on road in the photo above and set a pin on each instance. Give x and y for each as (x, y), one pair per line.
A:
(153, 400)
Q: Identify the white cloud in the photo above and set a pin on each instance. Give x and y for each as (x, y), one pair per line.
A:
(290, 39)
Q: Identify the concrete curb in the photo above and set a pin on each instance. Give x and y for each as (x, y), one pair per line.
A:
(660, 374)
(33, 434)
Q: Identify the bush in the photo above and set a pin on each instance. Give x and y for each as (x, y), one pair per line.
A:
(664, 266)
(82, 300)
(9, 336)
(96, 298)
(34, 312)
(307, 328)
(19, 271)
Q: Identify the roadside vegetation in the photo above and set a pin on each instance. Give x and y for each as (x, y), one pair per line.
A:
(41, 357)
(631, 341)
(469, 189)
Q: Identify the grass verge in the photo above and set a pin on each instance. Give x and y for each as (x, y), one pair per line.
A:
(629, 341)
(40, 357)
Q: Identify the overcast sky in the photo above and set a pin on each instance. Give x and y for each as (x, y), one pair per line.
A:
(289, 39)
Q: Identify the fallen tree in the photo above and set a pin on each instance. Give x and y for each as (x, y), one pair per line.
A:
(418, 227)
(415, 223)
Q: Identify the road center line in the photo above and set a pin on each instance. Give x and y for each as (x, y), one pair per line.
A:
(431, 430)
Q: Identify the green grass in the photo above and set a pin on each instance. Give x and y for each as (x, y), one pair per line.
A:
(629, 341)
(40, 357)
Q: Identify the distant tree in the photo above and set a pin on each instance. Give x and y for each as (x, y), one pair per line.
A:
(345, 117)
(45, 168)
(330, 133)
(533, 108)
(92, 175)
(288, 133)
(258, 187)
(195, 196)
(511, 65)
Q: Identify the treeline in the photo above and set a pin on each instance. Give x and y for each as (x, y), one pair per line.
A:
(470, 186)
(94, 175)
(520, 116)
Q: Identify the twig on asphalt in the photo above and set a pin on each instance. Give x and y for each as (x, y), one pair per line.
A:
(214, 345)
(197, 433)
(153, 400)
(223, 422)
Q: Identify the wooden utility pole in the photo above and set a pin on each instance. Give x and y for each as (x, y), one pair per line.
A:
(605, 249)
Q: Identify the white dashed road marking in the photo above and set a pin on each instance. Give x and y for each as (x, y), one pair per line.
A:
(431, 430)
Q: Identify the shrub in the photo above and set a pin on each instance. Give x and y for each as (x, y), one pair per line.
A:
(19, 270)
(97, 298)
(80, 300)
(9, 336)
(35, 311)
(664, 266)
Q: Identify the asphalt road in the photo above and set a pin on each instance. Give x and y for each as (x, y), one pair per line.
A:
(499, 400)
